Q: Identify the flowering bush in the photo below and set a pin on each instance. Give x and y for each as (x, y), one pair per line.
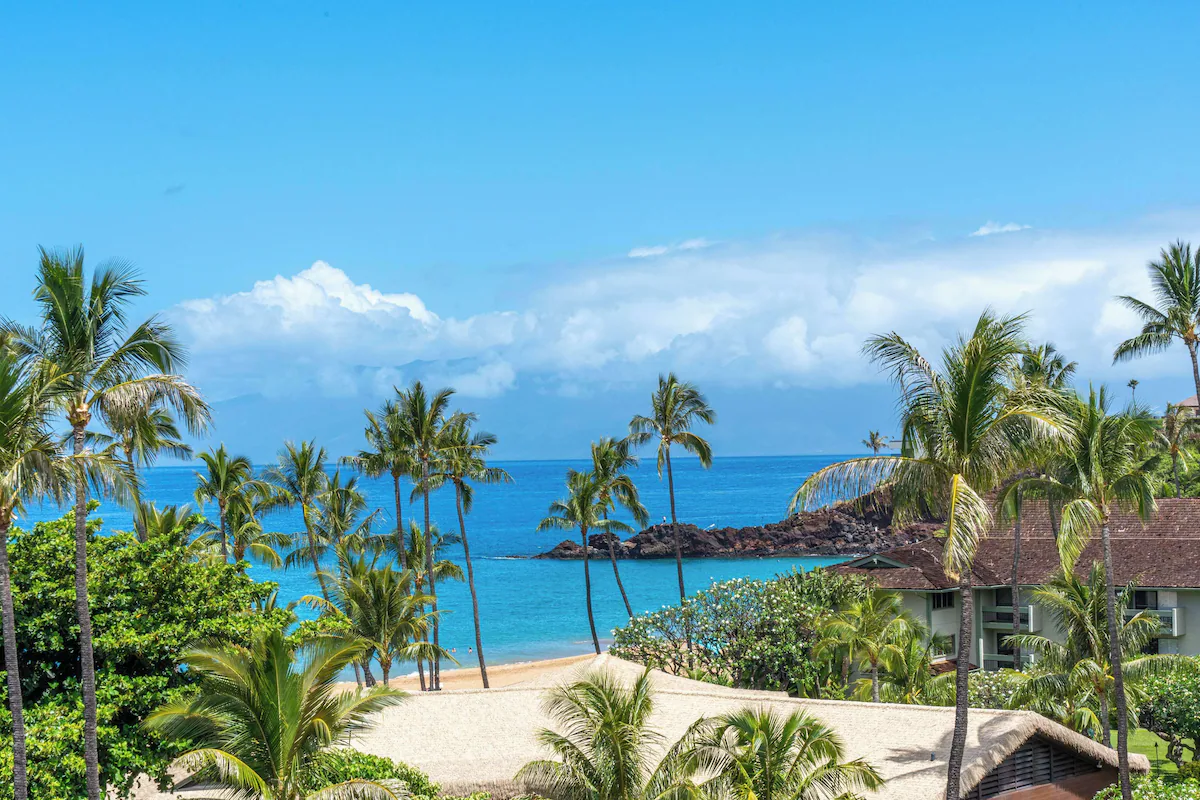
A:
(751, 633)
(992, 689)
(1154, 788)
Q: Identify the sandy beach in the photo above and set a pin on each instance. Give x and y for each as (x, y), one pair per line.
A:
(498, 675)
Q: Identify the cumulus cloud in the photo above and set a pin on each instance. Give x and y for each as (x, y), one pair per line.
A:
(789, 310)
(989, 227)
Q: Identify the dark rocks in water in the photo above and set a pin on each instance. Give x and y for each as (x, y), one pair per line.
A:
(844, 529)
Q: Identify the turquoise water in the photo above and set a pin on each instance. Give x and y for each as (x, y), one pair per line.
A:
(533, 609)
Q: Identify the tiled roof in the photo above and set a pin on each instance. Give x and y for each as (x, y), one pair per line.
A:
(1164, 553)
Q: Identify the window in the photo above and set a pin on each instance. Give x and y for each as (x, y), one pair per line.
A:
(1004, 597)
(1151, 648)
(949, 647)
(943, 600)
(1145, 599)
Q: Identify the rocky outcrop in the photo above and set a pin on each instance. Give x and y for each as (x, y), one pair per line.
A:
(845, 529)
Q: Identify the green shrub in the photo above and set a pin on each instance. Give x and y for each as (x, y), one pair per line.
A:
(339, 765)
(1154, 788)
(749, 633)
(1190, 770)
(992, 689)
(1172, 710)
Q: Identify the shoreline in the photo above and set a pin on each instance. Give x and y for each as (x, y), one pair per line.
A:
(498, 675)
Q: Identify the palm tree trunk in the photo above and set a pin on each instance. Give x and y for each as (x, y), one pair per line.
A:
(357, 675)
(1015, 584)
(368, 677)
(400, 525)
(11, 667)
(312, 552)
(687, 623)
(462, 527)
(874, 681)
(962, 670)
(435, 667)
(139, 524)
(1175, 469)
(1105, 720)
(224, 535)
(612, 556)
(421, 672)
(1191, 346)
(1114, 648)
(587, 588)
(87, 663)
(846, 676)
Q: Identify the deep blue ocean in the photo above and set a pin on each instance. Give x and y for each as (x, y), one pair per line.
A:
(531, 609)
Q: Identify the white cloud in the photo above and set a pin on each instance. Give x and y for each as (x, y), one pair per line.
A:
(663, 249)
(989, 227)
(790, 310)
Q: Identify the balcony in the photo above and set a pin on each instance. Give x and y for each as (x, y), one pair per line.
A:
(995, 661)
(1000, 618)
(1171, 622)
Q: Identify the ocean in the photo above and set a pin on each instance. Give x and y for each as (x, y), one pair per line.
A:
(532, 609)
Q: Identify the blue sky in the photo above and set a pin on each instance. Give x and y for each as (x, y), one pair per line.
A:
(550, 203)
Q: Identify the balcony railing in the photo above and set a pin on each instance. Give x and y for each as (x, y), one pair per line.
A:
(995, 661)
(1001, 618)
(1170, 619)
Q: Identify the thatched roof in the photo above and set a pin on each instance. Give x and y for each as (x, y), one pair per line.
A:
(472, 740)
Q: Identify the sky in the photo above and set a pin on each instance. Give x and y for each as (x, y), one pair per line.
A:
(545, 205)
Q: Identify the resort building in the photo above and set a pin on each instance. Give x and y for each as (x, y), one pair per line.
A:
(1161, 556)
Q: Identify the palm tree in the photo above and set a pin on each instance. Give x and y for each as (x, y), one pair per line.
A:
(224, 477)
(421, 420)
(1179, 427)
(246, 508)
(675, 408)
(964, 431)
(300, 474)
(105, 367)
(31, 466)
(907, 675)
(875, 442)
(604, 750)
(1133, 384)
(610, 460)
(1072, 679)
(1045, 365)
(461, 463)
(342, 513)
(1175, 278)
(867, 627)
(582, 509)
(391, 453)
(762, 753)
(1104, 471)
(443, 569)
(265, 714)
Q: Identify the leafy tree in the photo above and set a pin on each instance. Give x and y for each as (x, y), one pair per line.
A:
(267, 712)
(875, 442)
(964, 431)
(605, 748)
(1175, 278)
(762, 753)
(1073, 681)
(676, 407)
(390, 452)
(611, 459)
(150, 601)
(223, 478)
(1180, 427)
(582, 509)
(106, 368)
(1171, 709)
(868, 627)
(462, 463)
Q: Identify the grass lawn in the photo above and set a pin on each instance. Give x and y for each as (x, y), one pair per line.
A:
(1143, 741)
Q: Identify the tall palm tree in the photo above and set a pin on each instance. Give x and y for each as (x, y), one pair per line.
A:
(964, 431)
(266, 713)
(300, 473)
(1175, 313)
(1180, 426)
(31, 466)
(582, 509)
(461, 463)
(1103, 472)
(1072, 678)
(763, 753)
(675, 408)
(907, 675)
(390, 452)
(606, 744)
(443, 569)
(342, 513)
(1044, 364)
(141, 433)
(611, 459)
(875, 442)
(1133, 384)
(422, 418)
(224, 476)
(83, 332)
(868, 626)
(247, 506)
